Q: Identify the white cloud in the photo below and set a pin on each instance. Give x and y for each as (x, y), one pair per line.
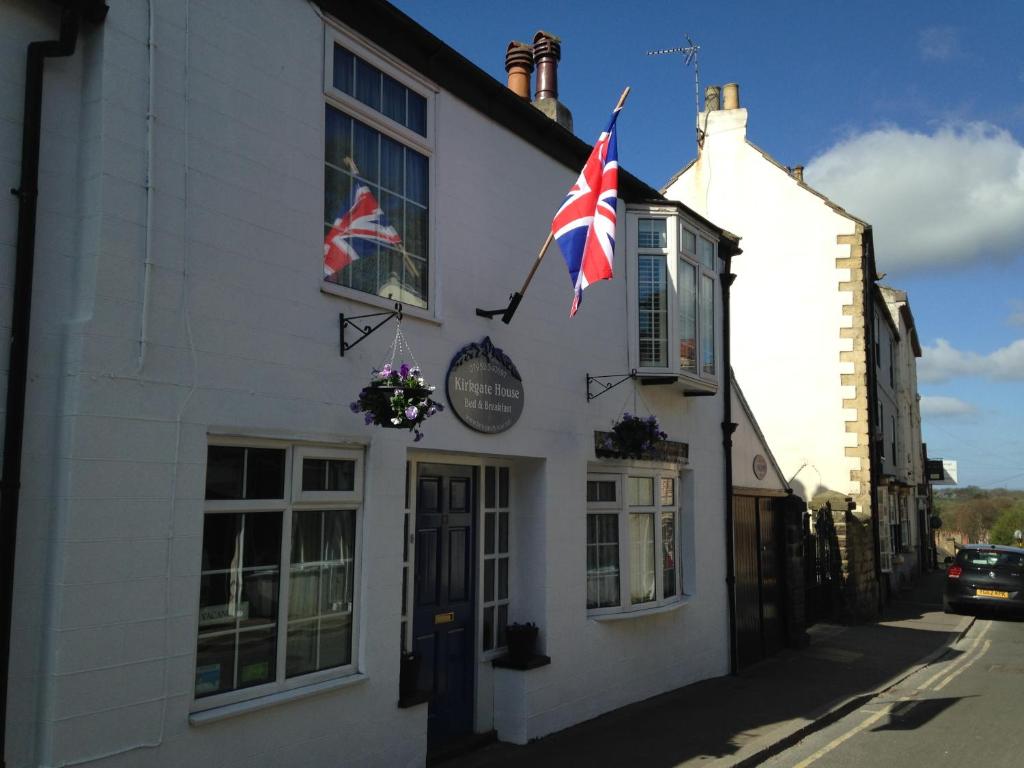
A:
(944, 362)
(951, 197)
(937, 43)
(937, 406)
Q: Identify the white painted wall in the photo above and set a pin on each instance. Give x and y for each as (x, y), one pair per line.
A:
(786, 305)
(747, 442)
(241, 340)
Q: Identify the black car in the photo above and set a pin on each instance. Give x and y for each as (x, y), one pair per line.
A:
(988, 575)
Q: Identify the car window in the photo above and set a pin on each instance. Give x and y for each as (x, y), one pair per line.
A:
(988, 558)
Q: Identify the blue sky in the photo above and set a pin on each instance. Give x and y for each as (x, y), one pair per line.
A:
(909, 114)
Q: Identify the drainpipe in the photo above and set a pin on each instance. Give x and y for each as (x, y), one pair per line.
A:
(872, 384)
(728, 427)
(24, 264)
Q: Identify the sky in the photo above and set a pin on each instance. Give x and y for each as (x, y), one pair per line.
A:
(908, 114)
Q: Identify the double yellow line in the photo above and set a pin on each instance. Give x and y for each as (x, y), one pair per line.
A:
(975, 651)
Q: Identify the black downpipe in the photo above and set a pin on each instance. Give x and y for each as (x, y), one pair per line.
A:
(17, 369)
(872, 383)
(728, 427)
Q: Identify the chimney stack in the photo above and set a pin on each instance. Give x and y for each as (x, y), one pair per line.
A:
(519, 66)
(798, 172)
(547, 50)
(712, 98)
(731, 96)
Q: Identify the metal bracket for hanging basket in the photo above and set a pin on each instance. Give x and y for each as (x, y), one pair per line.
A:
(606, 382)
(366, 329)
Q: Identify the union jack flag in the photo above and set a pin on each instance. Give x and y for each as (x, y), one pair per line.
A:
(360, 226)
(585, 224)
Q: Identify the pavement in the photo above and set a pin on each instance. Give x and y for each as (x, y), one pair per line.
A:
(741, 720)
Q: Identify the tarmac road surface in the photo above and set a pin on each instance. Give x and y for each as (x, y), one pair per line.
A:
(965, 708)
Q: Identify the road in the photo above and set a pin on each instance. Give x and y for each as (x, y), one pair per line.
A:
(966, 708)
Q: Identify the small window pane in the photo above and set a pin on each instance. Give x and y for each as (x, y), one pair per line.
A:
(668, 553)
(503, 578)
(488, 581)
(653, 310)
(417, 118)
(490, 487)
(706, 252)
(503, 532)
(488, 628)
(368, 84)
(366, 153)
(264, 473)
(602, 560)
(689, 243)
(640, 491)
(392, 171)
(394, 99)
(489, 533)
(668, 491)
(344, 68)
(600, 490)
(652, 233)
(503, 487)
(707, 325)
(502, 622)
(416, 177)
(328, 475)
(337, 137)
(687, 316)
(641, 558)
(225, 468)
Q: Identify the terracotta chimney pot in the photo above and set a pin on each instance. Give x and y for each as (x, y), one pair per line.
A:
(519, 66)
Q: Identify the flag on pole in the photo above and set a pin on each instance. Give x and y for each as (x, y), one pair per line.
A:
(360, 226)
(585, 224)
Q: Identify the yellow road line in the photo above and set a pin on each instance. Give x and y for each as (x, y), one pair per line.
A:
(867, 723)
(960, 660)
(948, 680)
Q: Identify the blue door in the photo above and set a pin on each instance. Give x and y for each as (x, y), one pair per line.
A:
(443, 615)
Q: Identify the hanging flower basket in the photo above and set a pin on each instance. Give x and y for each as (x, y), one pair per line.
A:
(634, 437)
(397, 399)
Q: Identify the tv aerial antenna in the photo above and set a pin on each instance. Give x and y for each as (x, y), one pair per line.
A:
(689, 53)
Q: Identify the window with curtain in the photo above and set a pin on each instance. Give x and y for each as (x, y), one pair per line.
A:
(265, 625)
(632, 544)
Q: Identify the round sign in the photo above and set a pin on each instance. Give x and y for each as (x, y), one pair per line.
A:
(760, 467)
(484, 388)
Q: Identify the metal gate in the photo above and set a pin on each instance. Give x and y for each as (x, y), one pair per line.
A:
(822, 566)
(758, 557)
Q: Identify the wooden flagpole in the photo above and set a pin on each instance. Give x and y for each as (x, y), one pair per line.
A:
(515, 298)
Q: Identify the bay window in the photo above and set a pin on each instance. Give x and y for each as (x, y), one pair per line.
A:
(632, 545)
(675, 271)
(279, 569)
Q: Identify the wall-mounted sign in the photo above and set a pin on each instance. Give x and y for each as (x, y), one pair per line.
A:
(484, 388)
(760, 466)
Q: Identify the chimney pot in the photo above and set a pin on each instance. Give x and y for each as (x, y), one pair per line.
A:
(547, 51)
(731, 96)
(712, 98)
(519, 66)
(798, 172)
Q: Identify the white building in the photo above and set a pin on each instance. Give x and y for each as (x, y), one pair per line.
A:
(802, 320)
(902, 501)
(217, 561)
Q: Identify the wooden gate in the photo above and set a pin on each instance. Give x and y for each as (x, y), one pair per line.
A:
(758, 544)
(822, 566)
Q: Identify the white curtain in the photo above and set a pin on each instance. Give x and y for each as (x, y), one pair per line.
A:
(642, 563)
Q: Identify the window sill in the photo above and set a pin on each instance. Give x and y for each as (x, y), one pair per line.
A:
(216, 714)
(642, 612)
(378, 302)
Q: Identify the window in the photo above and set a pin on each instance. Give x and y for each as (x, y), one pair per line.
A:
(632, 543)
(278, 574)
(376, 150)
(495, 556)
(884, 532)
(676, 286)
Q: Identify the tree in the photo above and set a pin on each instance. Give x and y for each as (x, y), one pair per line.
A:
(1010, 521)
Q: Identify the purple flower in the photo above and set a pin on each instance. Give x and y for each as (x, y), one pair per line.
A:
(386, 370)
(403, 371)
(419, 436)
(412, 412)
(354, 407)
(368, 418)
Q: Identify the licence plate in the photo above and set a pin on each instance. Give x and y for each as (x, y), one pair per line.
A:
(992, 593)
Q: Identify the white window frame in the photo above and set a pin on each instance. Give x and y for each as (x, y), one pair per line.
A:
(293, 500)
(425, 145)
(482, 556)
(619, 474)
(674, 253)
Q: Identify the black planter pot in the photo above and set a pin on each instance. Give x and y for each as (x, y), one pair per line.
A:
(522, 642)
(408, 675)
